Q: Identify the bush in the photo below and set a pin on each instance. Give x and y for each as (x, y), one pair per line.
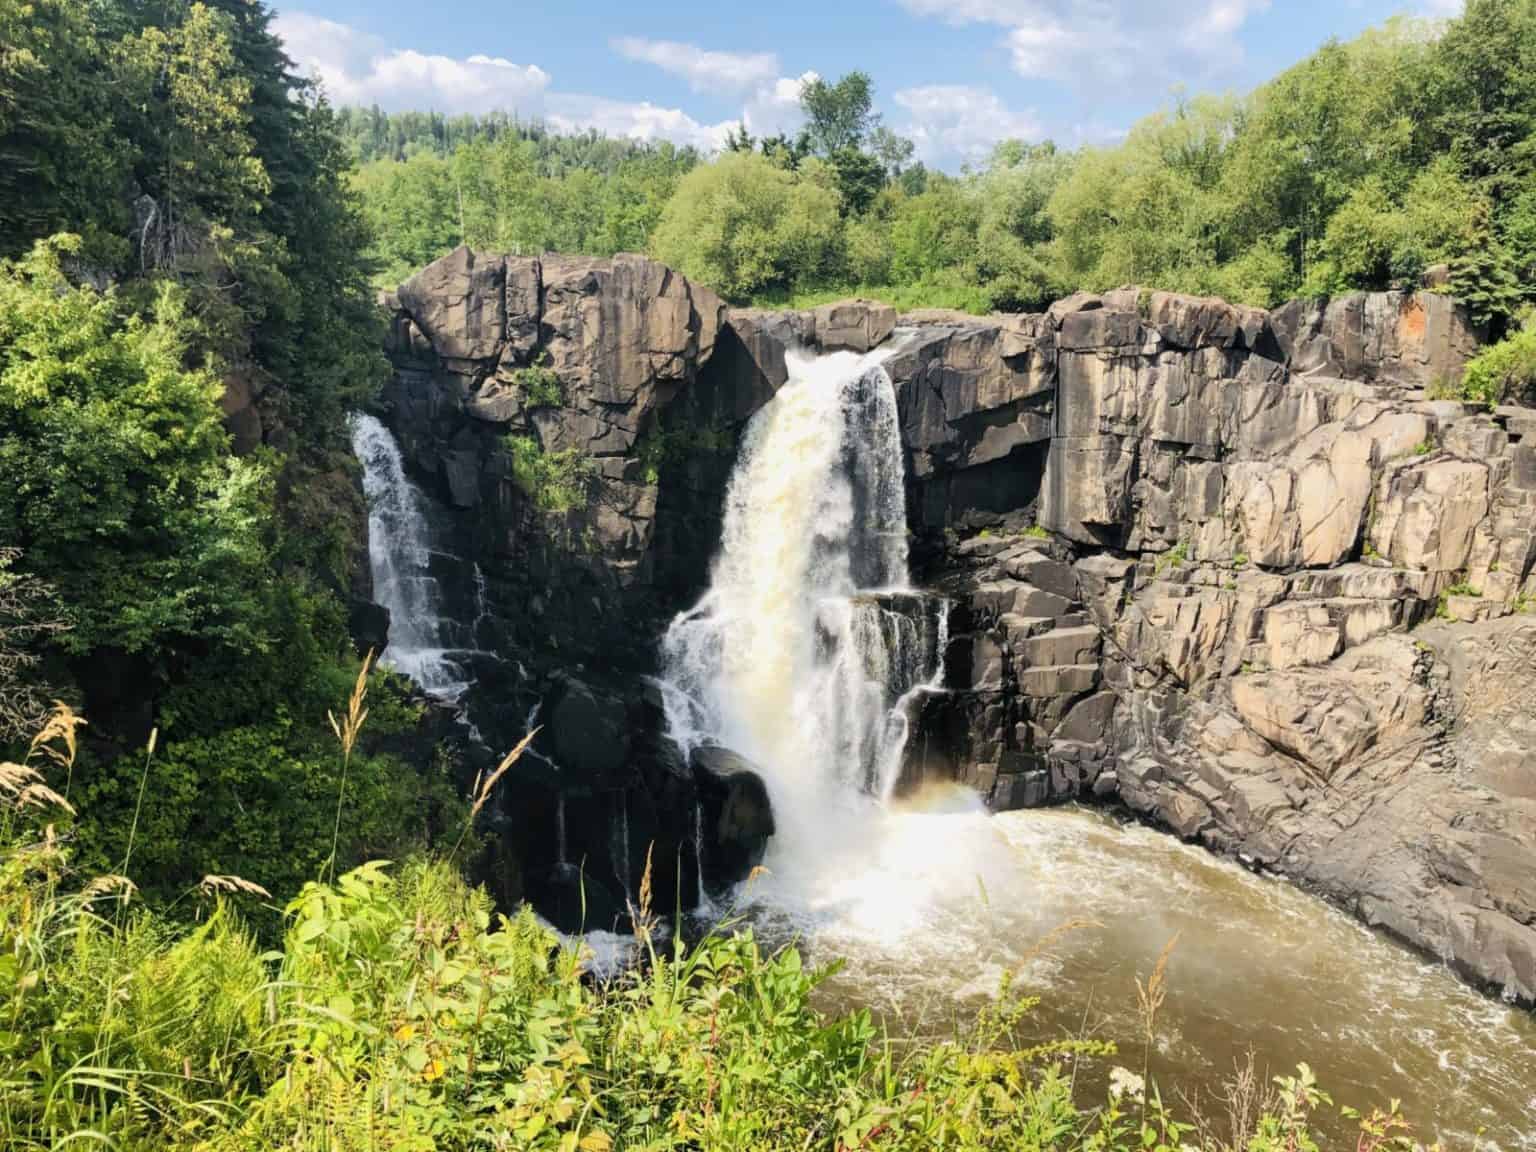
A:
(556, 482)
(743, 225)
(1506, 368)
(540, 386)
(119, 486)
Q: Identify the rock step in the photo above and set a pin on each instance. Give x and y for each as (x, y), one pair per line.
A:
(1059, 680)
(1061, 647)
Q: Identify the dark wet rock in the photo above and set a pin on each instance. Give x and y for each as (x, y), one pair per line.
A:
(737, 818)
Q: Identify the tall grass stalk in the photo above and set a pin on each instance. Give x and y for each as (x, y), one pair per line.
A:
(347, 731)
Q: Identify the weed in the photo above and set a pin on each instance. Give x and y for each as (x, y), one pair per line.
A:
(1173, 558)
(539, 385)
(556, 482)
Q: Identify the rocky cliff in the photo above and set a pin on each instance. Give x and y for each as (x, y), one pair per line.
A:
(1235, 570)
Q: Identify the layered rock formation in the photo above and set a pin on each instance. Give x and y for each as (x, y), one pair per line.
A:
(1234, 569)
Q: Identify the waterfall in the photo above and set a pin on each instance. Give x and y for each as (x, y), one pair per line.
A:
(400, 556)
(809, 646)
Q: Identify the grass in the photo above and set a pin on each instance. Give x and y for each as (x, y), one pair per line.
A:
(1175, 557)
(402, 1013)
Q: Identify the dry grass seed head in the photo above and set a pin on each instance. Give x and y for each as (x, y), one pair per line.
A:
(110, 884)
(483, 790)
(15, 777)
(22, 786)
(351, 724)
(1155, 990)
(42, 796)
(213, 885)
(641, 917)
(56, 738)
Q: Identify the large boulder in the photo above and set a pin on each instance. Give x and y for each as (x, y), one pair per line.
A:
(736, 818)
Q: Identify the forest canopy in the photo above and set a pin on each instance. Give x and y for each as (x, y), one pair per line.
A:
(1359, 168)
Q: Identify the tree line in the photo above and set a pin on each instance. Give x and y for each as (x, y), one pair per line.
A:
(1359, 168)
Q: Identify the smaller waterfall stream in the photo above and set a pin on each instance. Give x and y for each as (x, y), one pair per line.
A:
(400, 555)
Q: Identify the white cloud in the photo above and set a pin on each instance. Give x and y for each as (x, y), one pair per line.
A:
(1120, 43)
(356, 68)
(775, 108)
(638, 121)
(705, 70)
(956, 121)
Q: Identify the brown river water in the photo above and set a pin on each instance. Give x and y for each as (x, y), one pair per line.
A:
(934, 902)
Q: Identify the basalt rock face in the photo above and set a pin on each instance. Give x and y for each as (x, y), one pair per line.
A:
(1205, 612)
(552, 413)
(1232, 569)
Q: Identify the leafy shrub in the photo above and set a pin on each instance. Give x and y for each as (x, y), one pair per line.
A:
(119, 486)
(660, 447)
(540, 386)
(556, 482)
(743, 225)
(1505, 368)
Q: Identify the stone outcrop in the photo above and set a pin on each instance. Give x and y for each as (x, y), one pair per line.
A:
(1233, 569)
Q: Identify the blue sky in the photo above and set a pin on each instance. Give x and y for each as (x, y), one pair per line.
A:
(955, 75)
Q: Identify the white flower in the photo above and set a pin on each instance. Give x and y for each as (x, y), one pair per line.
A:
(1124, 1082)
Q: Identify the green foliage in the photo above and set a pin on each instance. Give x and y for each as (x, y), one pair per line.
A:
(1175, 557)
(120, 487)
(178, 233)
(512, 189)
(61, 163)
(743, 225)
(540, 386)
(1505, 369)
(1358, 168)
(660, 447)
(29, 617)
(556, 482)
(257, 801)
(1035, 532)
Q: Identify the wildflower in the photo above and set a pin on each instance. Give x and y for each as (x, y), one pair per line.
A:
(1125, 1083)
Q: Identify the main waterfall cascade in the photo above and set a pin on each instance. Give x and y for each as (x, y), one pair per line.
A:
(806, 652)
(423, 640)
